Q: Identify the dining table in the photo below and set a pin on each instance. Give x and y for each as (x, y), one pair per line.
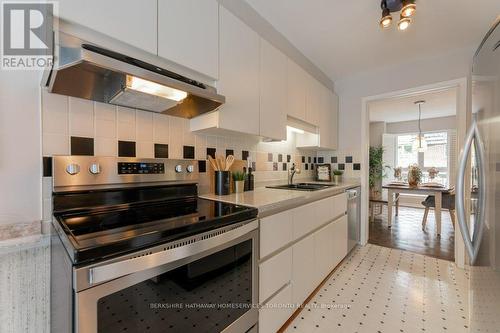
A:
(394, 190)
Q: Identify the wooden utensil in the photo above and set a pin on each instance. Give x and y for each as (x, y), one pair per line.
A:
(229, 162)
(213, 163)
(221, 162)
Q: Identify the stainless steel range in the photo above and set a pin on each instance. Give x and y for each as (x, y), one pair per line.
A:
(135, 250)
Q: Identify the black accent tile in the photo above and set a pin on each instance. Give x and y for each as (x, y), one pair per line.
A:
(303, 159)
(333, 159)
(315, 160)
(229, 152)
(254, 166)
(356, 166)
(161, 150)
(341, 166)
(288, 158)
(309, 159)
(211, 152)
(270, 157)
(47, 166)
(82, 146)
(244, 155)
(321, 160)
(312, 166)
(280, 158)
(126, 148)
(202, 166)
(306, 166)
(284, 167)
(275, 166)
(188, 152)
(348, 159)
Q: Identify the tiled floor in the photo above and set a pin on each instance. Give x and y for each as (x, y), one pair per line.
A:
(379, 289)
(406, 233)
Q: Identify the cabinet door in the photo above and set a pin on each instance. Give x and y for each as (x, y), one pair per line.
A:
(303, 266)
(334, 114)
(276, 231)
(276, 312)
(239, 75)
(274, 273)
(313, 100)
(130, 21)
(325, 118)
(323, 249)
(339, 240)
(296, 90)
(272, 92)
(188, 34)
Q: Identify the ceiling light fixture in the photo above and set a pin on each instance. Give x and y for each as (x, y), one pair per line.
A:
(420, 144)
(386, 19)
(406, 9)
(403, 23)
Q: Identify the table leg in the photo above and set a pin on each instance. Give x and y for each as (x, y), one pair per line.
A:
(437, 211)
(389, 207)
(397, 204)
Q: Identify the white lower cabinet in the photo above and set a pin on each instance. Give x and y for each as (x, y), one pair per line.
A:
(276, 312)
(323, 251)
(303, 269)
(339, 240)
(274, 273)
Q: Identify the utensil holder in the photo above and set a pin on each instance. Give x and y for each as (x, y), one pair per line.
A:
(222, 182)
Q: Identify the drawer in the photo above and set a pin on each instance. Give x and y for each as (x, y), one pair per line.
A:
(339, 204)
(276, 312)
(275, 232)
(274, 273)
(324, 210)
(304, 220)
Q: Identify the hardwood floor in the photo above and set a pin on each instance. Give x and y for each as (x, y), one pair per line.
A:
(407, 234)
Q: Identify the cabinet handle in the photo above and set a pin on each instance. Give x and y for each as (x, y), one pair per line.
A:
(471, 244)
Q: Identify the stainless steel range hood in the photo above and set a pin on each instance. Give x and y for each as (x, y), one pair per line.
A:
(86, 70)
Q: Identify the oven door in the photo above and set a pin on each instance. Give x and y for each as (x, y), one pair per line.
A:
(205, 283)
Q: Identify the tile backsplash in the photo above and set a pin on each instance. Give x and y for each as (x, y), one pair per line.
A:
(348, 162)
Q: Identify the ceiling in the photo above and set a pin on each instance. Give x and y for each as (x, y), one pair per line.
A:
(343, 37)
(437, 104)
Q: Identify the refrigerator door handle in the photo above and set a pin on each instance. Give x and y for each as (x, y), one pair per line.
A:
(472, 244)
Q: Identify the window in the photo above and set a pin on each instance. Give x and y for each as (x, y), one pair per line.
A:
(436, 155)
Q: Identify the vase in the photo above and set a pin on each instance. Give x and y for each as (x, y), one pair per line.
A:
(337, 179)
(239, 186)
(412, 181)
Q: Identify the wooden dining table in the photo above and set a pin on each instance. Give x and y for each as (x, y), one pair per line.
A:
(437, 192)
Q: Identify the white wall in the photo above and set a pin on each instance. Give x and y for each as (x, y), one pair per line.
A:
(377, 128)
(20, 160)
(410, 74)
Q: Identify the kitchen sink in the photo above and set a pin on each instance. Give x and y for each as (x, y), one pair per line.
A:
(302, 186)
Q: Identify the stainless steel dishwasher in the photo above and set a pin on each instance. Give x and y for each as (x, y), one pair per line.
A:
(353, 217)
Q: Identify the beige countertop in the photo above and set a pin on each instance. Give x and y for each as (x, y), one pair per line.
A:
(271, 201)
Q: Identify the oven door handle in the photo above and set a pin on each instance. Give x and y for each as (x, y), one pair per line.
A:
(118, 269)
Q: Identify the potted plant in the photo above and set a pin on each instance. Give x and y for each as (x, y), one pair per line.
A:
(376, 170)
(337, 176)
(239, 181)
(414, 175)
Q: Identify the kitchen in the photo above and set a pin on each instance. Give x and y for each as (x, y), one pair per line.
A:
(184, 166)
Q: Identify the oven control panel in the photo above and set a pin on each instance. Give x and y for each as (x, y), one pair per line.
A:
(74, 171)
(136, 168)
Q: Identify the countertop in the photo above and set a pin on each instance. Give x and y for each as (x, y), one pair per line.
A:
(271, 201)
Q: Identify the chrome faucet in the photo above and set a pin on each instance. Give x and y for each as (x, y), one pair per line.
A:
(293, 170)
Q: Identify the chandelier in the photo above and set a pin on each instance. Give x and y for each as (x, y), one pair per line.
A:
(406, 9)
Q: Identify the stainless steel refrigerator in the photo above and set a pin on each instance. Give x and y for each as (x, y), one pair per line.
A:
(478, 202)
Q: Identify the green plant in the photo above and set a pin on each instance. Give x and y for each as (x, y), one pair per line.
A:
(338, 172)
(377, 167)
(238, 176)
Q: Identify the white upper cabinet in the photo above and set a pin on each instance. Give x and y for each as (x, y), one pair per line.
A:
(273, 92)
(238, 75)
(130, 21)
(296, 84)
(313, 100)
(334, 123)
(188, 34)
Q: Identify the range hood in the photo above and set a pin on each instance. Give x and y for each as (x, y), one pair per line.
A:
(86, 70)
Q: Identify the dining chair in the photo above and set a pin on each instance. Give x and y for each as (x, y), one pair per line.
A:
(447, 202)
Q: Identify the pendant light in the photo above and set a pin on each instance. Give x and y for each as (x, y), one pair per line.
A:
(420, 144)
(386, 19)
(408, 9)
